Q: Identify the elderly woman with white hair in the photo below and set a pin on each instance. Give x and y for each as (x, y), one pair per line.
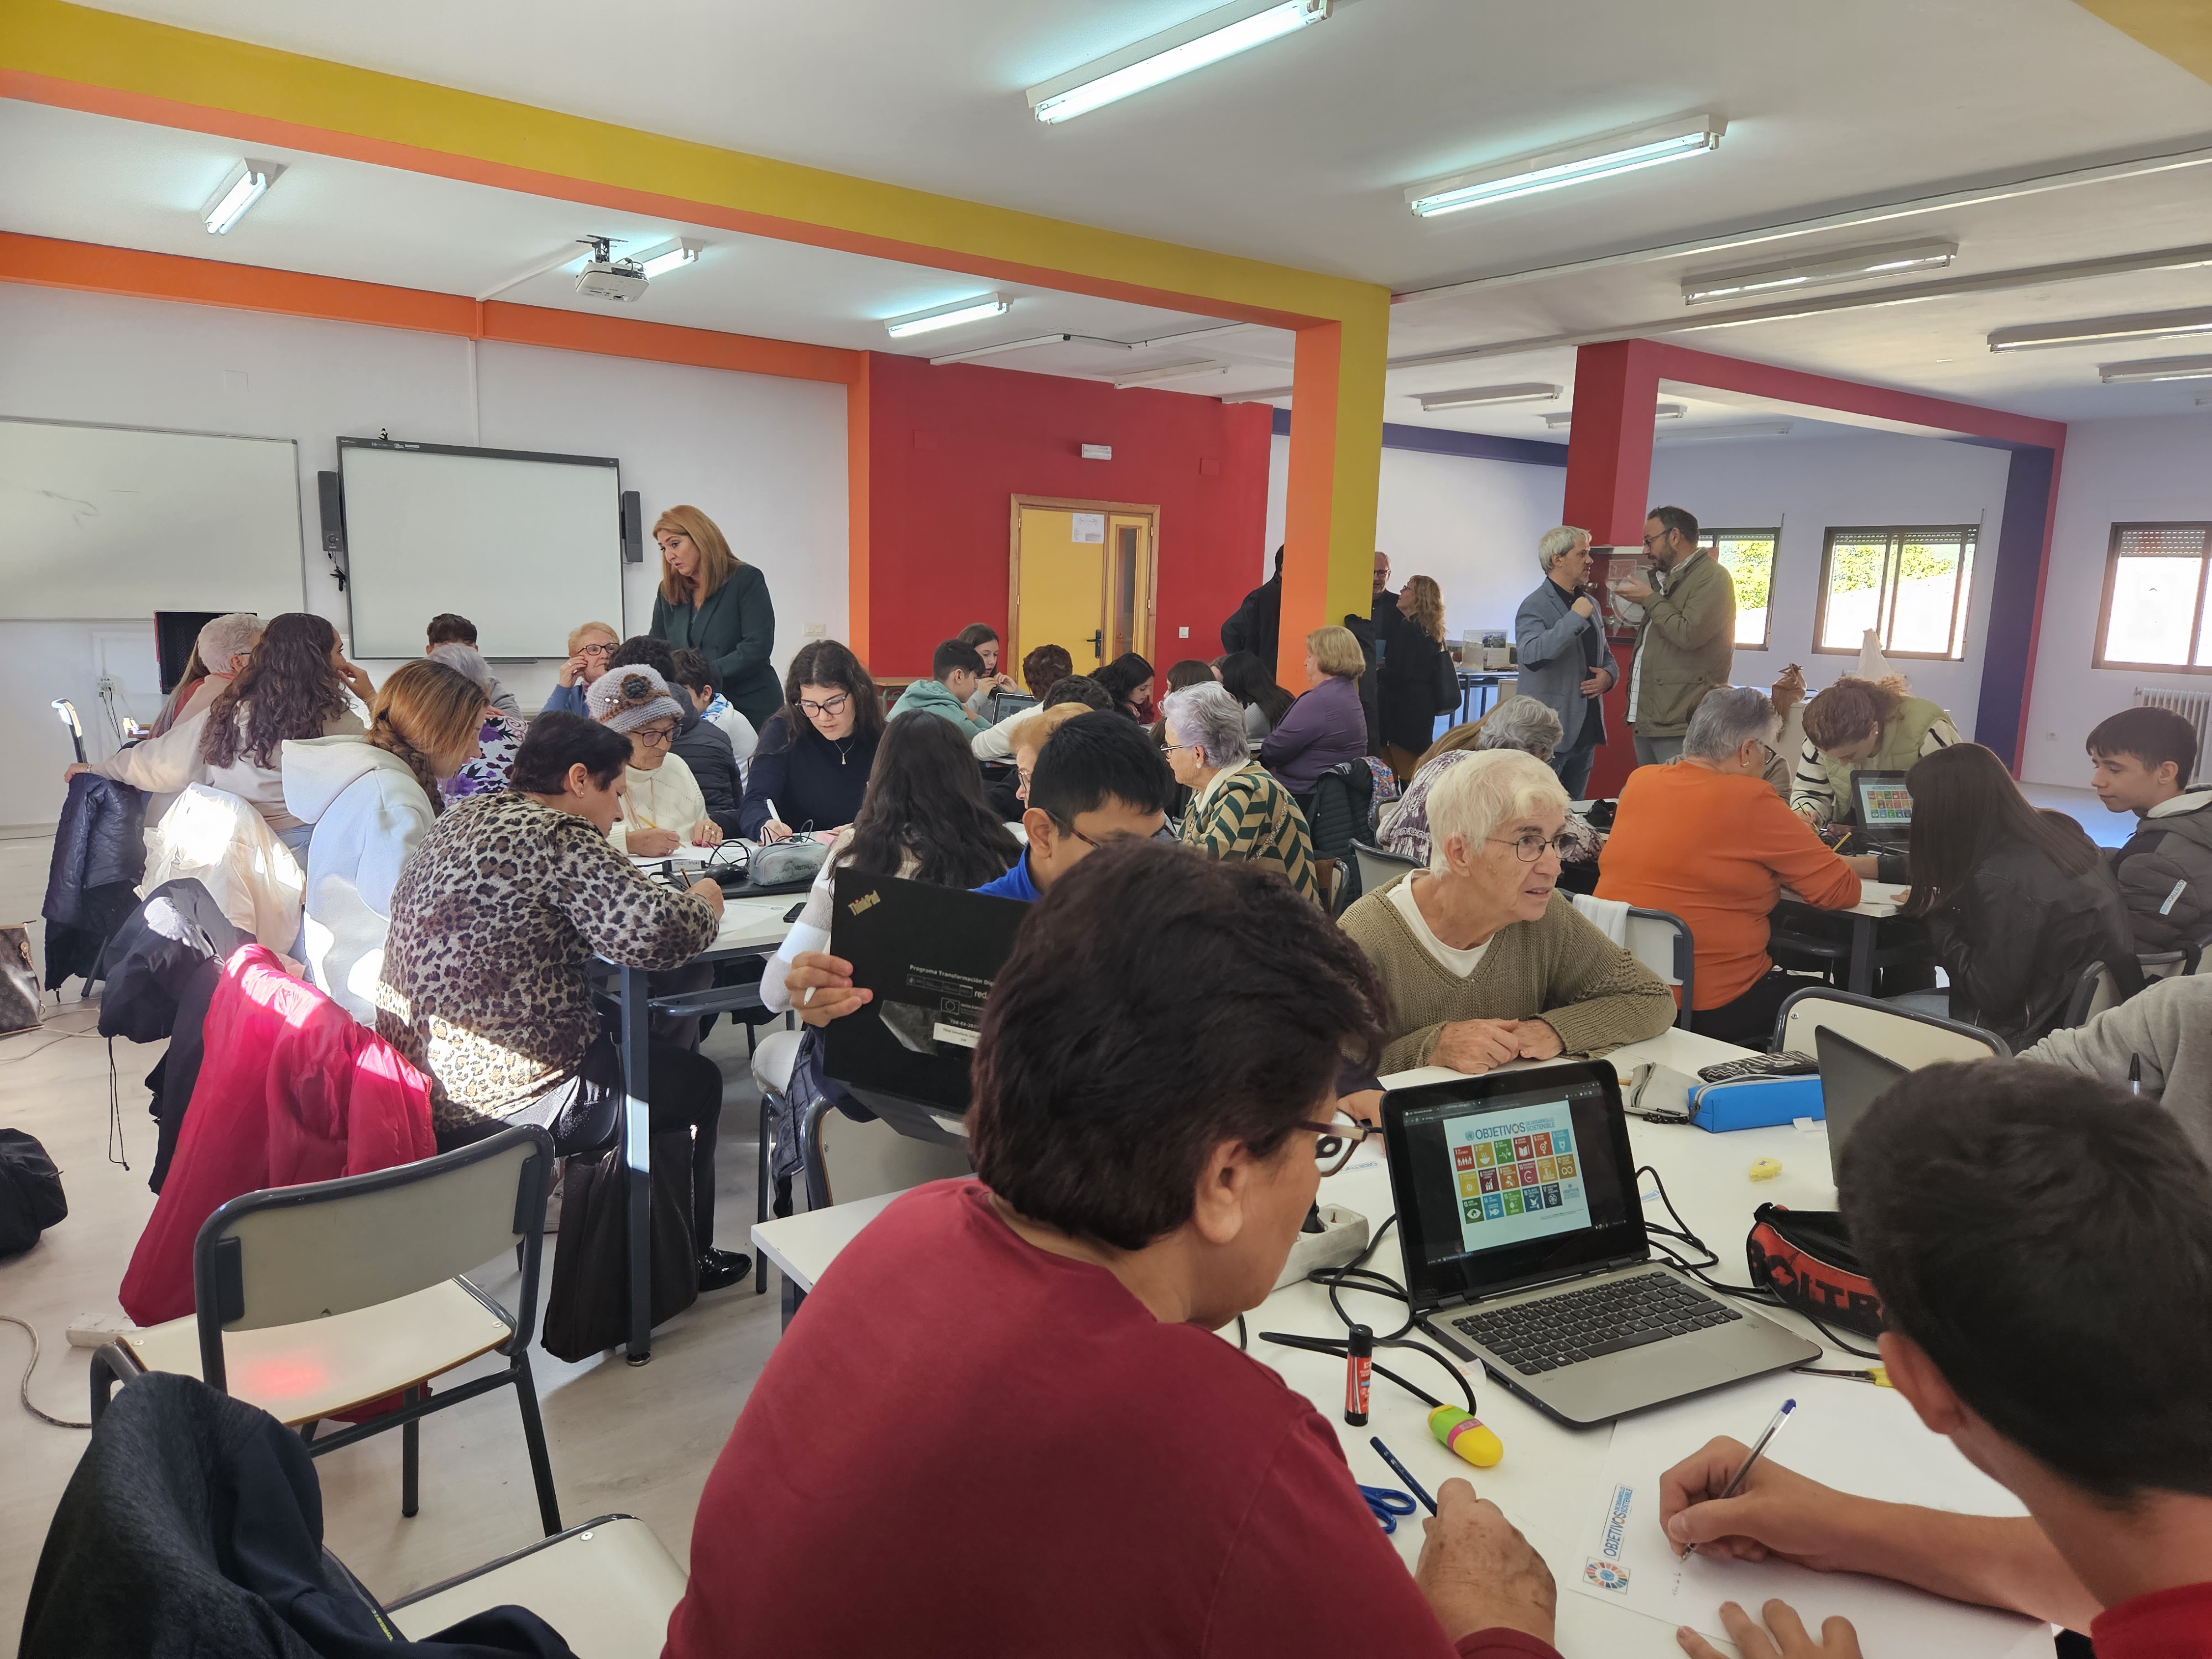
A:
(1708, 840)
(1521, 723)
(1239, 809)
(1565, 663)
(165, 763)
(1486, 962)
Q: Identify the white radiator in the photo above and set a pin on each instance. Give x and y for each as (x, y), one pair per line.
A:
(2195, 707)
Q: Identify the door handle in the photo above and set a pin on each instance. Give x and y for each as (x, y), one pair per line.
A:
(1098, 645)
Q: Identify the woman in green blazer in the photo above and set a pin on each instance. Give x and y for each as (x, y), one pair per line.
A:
(711, 602)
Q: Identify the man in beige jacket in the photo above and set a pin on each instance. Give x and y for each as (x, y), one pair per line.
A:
(1684, 634)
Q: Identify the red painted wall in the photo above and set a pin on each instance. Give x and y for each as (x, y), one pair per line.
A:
(949, 448)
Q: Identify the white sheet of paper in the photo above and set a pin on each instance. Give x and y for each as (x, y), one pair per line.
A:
(1089, 527)
(1846, 1434)
(685, 853)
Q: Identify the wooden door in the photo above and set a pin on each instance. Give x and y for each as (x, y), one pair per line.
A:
(1083, 576)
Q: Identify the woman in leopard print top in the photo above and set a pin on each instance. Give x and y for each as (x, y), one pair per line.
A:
(492, 922)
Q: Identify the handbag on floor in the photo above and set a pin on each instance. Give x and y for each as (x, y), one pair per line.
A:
(588, 1309)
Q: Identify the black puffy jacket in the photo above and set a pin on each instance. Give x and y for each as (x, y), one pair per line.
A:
(2166, 875)
(99, 855)
(705, 747)
(2016, 940)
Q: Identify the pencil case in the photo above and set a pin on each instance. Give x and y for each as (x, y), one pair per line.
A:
(1755, 1102)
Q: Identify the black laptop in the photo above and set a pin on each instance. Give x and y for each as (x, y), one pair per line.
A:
(1525, 1248)
(1884, 807)
(1852, 1078)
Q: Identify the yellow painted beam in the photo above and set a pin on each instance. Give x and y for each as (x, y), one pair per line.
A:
(2177, 29)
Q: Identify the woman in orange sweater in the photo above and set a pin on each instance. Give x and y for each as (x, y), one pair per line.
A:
(1709, 840)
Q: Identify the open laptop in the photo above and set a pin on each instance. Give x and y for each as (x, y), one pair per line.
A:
(1852, 1078)
(1885, 810)
(1000, 704)
(1525, 1249)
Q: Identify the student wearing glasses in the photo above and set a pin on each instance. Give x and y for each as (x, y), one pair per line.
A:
(811, 766)
(1096, 1471)
(1708, 840)
(590, 645)
(1237, 808)
(662, 808)
(1484, 961)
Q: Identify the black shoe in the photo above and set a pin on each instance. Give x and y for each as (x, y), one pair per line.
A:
(719, 1269)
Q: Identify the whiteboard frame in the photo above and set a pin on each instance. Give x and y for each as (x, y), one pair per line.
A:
(299, 512)
(400, 446)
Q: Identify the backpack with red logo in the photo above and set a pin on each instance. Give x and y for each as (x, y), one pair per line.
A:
(1805, 1257)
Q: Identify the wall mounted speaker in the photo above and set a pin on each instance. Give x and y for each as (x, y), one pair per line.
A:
(333, 503)
(633, 528)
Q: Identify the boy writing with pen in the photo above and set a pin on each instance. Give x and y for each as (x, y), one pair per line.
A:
(2042, 1243)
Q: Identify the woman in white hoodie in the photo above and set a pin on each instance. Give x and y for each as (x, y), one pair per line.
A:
(371, 803)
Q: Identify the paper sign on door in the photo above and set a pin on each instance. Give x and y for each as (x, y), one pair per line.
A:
(1089, 526)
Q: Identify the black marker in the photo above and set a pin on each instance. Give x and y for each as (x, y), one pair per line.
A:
(2134, 1074)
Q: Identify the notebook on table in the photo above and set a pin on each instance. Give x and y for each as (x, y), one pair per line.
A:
(1525, 1248)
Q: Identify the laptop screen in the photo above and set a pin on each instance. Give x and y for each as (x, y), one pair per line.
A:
(1511, 1177)
(1883, 802)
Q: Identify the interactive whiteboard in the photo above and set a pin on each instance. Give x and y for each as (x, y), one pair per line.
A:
(111, 521)
(525, 545)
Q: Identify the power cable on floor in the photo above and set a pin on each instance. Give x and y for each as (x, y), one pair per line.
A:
(23, 1388)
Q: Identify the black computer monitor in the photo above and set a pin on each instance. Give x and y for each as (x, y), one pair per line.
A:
(175, 633)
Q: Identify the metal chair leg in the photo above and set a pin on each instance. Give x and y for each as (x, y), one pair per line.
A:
(533, 1437)
(760, 1201)
(410, 1447)
(104, 1379)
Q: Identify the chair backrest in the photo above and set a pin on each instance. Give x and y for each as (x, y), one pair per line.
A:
(846, 1159)
(291, 1254)
(2097, 990)
(1661, 940)
(2170, 965)
(1909, 1039)
(1378, 869)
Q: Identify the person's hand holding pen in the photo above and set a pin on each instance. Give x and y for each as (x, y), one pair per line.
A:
(1479, 1572)
(822, 988)
(1777, 1511)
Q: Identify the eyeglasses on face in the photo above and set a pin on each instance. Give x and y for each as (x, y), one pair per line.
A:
(828, 708)
(1651, 540)
(1338, 1140)
(1528, 845)
(655, 737)
(607, 650)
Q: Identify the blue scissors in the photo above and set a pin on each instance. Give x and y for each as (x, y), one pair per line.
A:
(1389, 1503)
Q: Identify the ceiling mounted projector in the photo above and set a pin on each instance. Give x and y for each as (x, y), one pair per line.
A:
(605, 278)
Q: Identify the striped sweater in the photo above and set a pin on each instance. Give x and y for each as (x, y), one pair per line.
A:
(1813, 797)
(1245, 813)
(1559, 967)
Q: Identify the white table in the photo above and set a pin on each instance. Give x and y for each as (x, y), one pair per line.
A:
(1546, 1482)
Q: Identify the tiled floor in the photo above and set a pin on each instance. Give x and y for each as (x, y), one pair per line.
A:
(638, 1441)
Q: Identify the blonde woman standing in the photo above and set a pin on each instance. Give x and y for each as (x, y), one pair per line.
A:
(371, 803)
(1409, 682)
(713, 602)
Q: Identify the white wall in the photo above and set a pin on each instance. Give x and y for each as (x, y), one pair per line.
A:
(1472, 524)
(2114, 471)
(764, 458)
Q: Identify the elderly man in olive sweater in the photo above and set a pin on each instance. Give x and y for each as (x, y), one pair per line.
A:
(1484, 962)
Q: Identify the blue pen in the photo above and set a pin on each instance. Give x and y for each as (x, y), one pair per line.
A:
(1736, 1486)
(1400, 1471)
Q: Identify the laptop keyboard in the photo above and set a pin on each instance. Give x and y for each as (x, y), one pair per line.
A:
(1606, 1318)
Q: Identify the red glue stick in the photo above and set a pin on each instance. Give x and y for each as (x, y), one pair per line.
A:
(1358, 1366)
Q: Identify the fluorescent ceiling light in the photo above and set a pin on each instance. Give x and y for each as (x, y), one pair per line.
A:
(1605, 157)
(1169, 372)
(2098, 331)
(246, 184)
(1659, 412)
(1206, 38)
(664, 256)
(1024, 344)
(1749, 430)
(1527, 391)
(960, 311)
(2156, 368)
(1894, 260)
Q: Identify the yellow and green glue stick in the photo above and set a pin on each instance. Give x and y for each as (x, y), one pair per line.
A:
(1469, 1437)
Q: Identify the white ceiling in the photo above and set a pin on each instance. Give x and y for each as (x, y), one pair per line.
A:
(1298, 152)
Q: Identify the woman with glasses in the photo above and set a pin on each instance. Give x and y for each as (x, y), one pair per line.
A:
(811, 768)
(1484, 960)
(1708, 840)
(662, 806)
(1152, 1116)
(1237, 808)
(1522, 723)
(590, 645)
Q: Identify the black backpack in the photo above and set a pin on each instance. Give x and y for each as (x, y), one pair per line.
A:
(30, 1192)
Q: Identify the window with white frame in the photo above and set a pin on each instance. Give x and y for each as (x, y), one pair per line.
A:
(1748, 557)
(1909, 583)
(2154, 599)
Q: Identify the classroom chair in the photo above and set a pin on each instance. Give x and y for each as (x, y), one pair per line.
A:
(1378, 869)
(608, 1586)
(314, 1300)
(1910, 1040)
(2099, 988)
(846, 1159)
(1335, 817)
(1661, 940)
(773, 1062)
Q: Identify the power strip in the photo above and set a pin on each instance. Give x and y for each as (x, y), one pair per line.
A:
(97, 1330)
(1343, 1236)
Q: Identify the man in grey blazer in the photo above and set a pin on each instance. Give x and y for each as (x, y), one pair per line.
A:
(1565, 663)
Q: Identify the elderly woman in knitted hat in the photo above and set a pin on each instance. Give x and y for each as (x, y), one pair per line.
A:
(662, 805)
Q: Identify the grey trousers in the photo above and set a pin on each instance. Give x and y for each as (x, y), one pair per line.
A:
(1656, 752)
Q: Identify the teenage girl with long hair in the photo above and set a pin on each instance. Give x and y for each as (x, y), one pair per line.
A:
(813, 763)
(296, 685)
